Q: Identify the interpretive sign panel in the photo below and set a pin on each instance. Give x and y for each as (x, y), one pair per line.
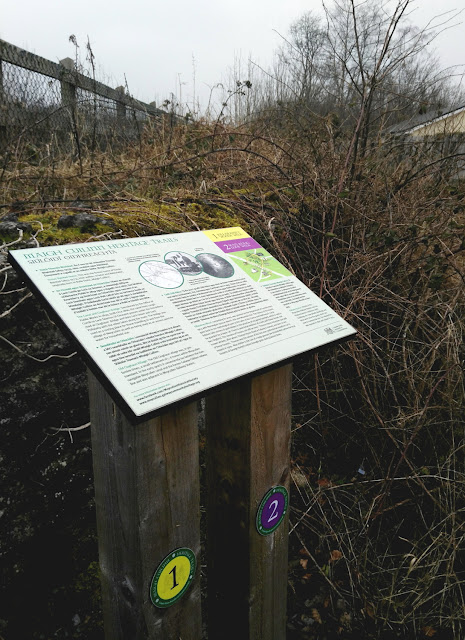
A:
(167, 317)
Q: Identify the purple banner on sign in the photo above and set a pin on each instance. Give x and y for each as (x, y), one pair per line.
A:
(243, 244)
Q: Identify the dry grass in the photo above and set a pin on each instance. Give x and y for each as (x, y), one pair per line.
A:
(379, 433)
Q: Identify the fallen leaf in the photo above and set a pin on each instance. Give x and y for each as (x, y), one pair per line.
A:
(429, 631)
(303, 563)
(345, 619)
(335, 555)
(316, 616)
(299, 478)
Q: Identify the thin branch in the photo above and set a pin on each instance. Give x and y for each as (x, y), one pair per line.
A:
(28, 355)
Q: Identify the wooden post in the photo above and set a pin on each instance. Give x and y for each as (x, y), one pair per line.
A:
(147, 498)
(3, 112)
(68, 89)
(1, 82)
(120, 107)
(248, 443)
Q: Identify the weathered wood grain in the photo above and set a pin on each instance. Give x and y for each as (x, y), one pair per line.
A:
(248, 440)
(147, 498)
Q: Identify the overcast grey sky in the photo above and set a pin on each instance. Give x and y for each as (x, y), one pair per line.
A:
(156, 44)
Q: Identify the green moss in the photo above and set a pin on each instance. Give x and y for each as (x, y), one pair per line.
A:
(89, 580)
(48, 232)
(47, 217)
(136, 219)
(182, 215)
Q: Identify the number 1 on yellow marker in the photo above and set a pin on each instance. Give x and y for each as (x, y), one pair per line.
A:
(172, 577)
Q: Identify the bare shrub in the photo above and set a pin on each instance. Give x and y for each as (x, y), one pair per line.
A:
(379, 430)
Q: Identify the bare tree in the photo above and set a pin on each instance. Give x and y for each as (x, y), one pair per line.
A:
(364, 62)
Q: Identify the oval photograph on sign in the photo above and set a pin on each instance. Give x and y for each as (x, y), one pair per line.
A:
(215, 266)
(184, 262)
(272, 510)
(172, 578)
(161, 274)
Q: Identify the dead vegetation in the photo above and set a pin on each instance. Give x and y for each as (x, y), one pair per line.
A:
(377, 530)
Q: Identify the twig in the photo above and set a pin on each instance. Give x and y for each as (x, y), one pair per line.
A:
(28, 355)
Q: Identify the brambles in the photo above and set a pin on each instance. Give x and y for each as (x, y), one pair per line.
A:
(379, 432)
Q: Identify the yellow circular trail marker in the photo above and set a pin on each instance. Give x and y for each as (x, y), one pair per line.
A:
(172, 577)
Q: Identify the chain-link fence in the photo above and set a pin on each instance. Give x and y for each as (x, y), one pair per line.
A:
(44, 104)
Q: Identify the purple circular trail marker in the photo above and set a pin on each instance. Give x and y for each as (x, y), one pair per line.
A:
(272, 510)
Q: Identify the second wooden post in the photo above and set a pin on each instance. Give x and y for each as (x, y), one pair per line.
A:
(248, 444)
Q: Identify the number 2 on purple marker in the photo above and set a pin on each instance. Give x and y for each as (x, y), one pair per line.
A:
(274, 515)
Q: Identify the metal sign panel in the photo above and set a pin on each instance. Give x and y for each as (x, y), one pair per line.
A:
(163, 318)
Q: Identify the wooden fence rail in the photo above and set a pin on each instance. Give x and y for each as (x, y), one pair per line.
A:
(36, 92)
